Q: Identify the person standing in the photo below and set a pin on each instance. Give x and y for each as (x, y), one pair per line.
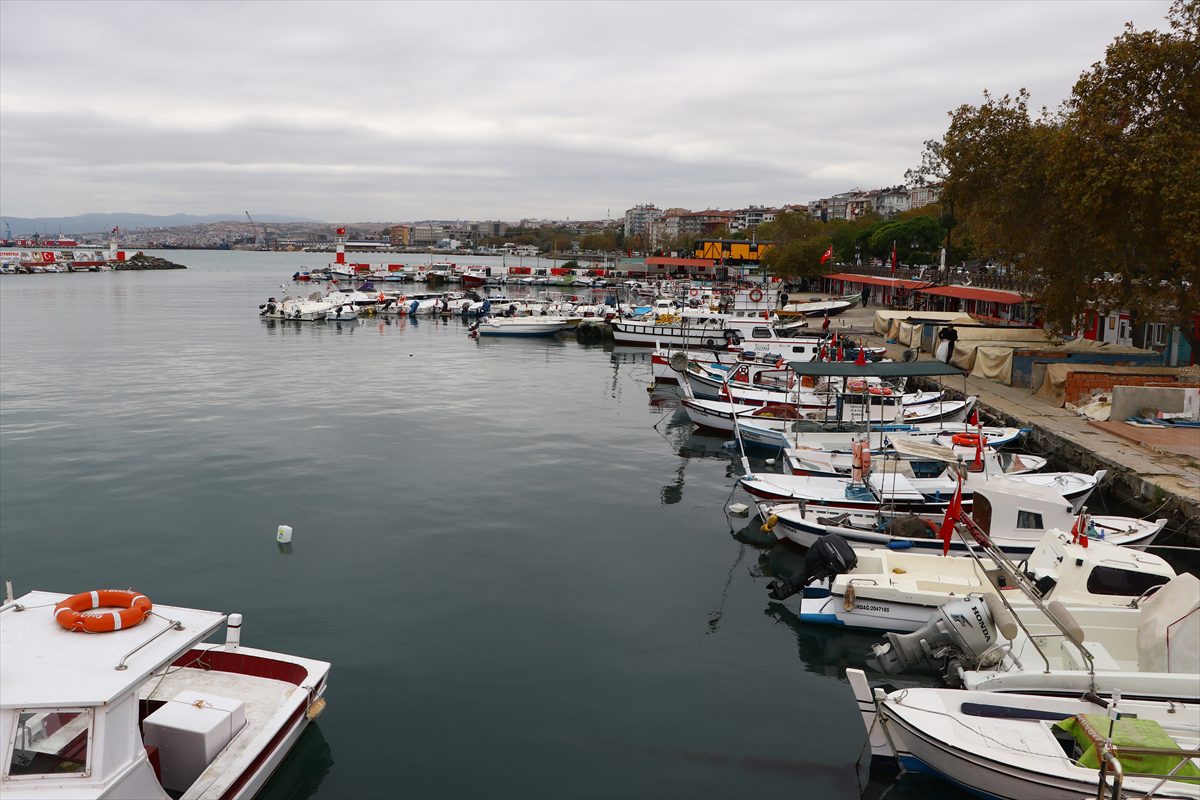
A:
(948, 335)
(866, 295)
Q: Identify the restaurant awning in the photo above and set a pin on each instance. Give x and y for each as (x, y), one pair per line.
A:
(973, 293)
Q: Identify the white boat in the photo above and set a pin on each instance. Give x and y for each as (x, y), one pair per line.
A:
(818, 308)
(1023, 747)
(148, 710)
(520, 326)
(898, 590)
(343, 312)
(904, 493)
(1013, 511)
(803, 427)
(296, 309)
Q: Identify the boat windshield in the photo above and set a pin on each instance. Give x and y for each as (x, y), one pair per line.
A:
(51, 742)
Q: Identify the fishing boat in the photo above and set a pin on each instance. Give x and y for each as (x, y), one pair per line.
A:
(106, 695)
(898, 590)
(1034, 747)
(1015, 511)
(520, 326)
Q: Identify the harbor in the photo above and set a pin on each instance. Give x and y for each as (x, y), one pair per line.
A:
(561, 588)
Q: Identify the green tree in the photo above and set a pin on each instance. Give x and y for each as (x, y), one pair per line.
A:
(798, 241)
(1097, 202)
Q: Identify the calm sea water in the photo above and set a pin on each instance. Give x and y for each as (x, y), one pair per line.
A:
(516, 559)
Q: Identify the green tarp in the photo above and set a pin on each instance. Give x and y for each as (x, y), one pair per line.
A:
(1129, 732)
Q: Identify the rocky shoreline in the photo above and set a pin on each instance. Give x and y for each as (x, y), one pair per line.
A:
(143, 261)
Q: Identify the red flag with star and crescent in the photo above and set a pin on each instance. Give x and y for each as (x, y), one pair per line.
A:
(952, 513)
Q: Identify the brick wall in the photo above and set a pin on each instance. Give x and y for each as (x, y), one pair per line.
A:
(1081, 385)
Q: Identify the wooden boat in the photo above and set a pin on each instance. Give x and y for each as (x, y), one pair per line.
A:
(147, 710)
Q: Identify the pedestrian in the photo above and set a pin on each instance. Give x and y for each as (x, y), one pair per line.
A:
(825, 324)
(948, 335)
(783, 300)
(866, 295)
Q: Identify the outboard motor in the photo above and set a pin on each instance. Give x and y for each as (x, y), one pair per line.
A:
(412, 309)
(962, 634)
(733, 337)
(830, 555)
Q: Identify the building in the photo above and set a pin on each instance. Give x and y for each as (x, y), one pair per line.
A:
(699, 223)
(639, 219)
(749, 218)
(924, 195)
(400, 235)
(891, 201)
(731, 251)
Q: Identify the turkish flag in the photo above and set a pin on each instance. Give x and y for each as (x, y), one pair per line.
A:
(952, 513)
(893, 256)
(828, 254)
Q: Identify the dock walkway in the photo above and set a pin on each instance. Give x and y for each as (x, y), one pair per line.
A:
(1159, 479)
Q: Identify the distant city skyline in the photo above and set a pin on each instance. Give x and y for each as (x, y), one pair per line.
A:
(390, 111)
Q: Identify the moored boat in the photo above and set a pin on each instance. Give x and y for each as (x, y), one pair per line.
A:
(144, 707)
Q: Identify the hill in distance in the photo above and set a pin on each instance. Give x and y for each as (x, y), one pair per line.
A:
(91, 223)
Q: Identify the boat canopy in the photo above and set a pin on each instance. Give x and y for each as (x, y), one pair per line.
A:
(922, 451)
(880, 369)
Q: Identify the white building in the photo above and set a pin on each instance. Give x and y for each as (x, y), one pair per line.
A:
(639, 219)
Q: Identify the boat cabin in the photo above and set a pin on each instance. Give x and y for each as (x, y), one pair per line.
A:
(148, 711)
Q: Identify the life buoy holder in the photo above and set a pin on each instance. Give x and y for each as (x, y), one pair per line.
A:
(133, 608)
(965, 439)
(848, 598)
(756, 295)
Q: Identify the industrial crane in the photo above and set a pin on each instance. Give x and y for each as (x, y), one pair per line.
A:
(260, 240)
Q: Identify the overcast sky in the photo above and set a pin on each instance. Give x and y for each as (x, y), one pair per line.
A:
(400, 111)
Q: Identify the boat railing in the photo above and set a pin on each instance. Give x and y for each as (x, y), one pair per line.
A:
(1108, 754)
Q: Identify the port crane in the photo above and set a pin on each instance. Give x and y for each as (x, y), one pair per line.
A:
(260, 239)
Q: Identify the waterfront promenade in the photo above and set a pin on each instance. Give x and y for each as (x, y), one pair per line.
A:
(1147, 474)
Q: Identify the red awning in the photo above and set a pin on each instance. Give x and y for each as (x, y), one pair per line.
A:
(984, 295)
(874, 281)
(666, 261)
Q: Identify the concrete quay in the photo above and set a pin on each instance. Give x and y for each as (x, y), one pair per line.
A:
(1156, 478)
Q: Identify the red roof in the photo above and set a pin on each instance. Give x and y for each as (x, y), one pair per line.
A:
(666, 261)
(874, 281)
(973, 293)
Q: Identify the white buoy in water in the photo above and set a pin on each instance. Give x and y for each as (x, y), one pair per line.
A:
(284, 535)
(739, 509)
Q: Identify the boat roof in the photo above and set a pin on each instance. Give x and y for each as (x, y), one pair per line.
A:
(43, 665)
(881, 369)
(918, 449)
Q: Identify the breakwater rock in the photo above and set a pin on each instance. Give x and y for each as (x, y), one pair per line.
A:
(143, 261)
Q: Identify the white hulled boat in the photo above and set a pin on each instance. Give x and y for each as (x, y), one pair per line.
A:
(1014, 512)
(147, 710)
(1024, 747)
(898, 590)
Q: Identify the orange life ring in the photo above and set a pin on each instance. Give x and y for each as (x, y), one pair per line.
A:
(965, 439)
(133, 609)
(381, 297)
(694, 292)
(755, 295)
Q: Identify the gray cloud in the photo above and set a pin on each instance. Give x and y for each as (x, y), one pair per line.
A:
(349, 111)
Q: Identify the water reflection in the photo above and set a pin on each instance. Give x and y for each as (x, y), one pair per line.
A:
(304, 769)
